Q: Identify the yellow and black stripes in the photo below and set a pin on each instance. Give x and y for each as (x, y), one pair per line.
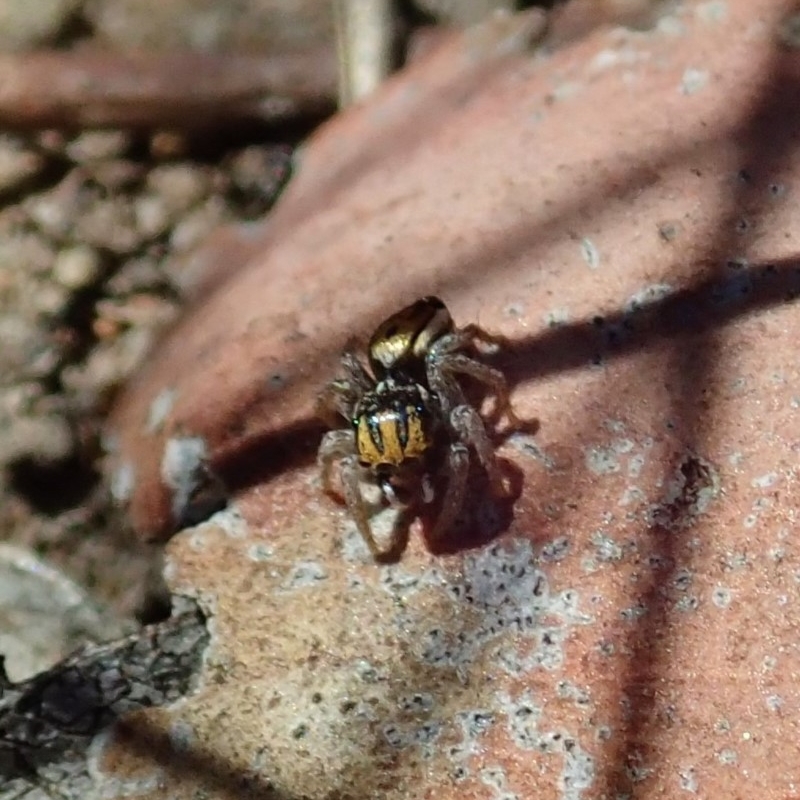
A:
(393, 424)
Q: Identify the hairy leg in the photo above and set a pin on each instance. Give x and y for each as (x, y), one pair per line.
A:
(445, 362)
(335, 445)
(339, 397)
(458, 468)
(351, 478)
(469, 427)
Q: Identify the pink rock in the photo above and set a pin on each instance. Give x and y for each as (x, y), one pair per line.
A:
(620, 209)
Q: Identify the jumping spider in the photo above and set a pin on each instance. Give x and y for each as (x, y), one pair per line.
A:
(408, 411)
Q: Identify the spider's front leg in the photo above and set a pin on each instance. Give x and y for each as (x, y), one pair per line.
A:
(340, 396)
(341, 445)
(335, 445)
(445, 361)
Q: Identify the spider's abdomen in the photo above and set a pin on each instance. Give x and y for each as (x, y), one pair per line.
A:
(393, 424)
(401, 342)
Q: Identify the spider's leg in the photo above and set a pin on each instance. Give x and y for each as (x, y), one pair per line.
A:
(441, 380)
(445, 362)
(457, 468)
(341, 445)
(356, 372)
(340, 397)
(351, 477)
(338, 444)
(336, 401)
(473, 332)
(466, 422)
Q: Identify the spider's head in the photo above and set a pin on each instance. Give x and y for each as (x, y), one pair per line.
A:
(394, 423)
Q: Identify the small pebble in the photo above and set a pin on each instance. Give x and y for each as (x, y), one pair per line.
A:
(98, 146)
(76, 267)
(17, 164)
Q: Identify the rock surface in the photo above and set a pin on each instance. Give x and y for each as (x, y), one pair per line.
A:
(621, 208)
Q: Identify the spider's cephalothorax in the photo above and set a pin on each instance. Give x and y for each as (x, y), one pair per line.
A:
(409, 408)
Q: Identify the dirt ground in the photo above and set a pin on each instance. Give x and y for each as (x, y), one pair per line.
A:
(96, 228)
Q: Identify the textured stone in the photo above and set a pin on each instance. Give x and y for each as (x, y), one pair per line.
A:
(620, 209)
(18, 164)
(45, 616)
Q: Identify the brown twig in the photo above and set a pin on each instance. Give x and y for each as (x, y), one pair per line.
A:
(365, 36)
(186, 90)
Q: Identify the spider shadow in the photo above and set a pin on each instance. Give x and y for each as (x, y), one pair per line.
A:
(483, 517)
